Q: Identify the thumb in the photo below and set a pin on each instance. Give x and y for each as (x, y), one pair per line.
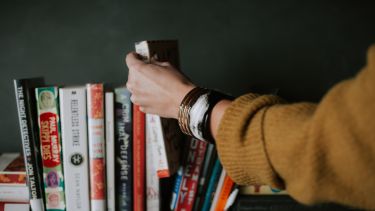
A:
(133, 59)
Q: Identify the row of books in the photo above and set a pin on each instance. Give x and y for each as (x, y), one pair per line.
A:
(124, 159)
(87, 148)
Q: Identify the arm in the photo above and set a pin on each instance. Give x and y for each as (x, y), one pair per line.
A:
(319, 152)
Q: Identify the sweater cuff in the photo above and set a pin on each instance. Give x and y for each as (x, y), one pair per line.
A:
(240, 141)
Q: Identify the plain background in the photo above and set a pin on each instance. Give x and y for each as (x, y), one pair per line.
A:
(300, 48)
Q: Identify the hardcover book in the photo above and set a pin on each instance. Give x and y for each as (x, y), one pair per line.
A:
(74, 141)
(110, 149)
(168, 131)
(189, 182)
(95, 116)
(123, 152)
(12, 169)
(28, 121)
(50, 144)
(139, 162)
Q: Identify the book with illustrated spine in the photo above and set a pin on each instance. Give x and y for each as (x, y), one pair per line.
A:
(74, 142)
(124, 150)
(139, 162)
(28, 121)
(50, 144)
(95, 116)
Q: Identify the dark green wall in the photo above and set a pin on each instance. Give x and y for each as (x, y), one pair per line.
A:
(299, 47)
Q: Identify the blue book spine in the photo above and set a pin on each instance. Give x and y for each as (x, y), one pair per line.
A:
(123, 150)
(176, 188)
(212, 185)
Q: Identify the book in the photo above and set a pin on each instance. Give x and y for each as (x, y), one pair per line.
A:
(139, 164)
(167, 130)
(124, 150)
(14, 193)
(214, 179)
(74, 142)
(12, 206)
(95, 116)
(176, 188)
(110, 149)
(224, 193)
(28, 121)
(12, 169)
(209, 160)
(192, 168)
(218, 190)
(152, 179)
(50, 144)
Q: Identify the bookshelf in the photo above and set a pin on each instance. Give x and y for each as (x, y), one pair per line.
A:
(234, 46)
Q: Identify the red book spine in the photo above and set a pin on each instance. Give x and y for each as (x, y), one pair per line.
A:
(139, 159)
(191, 174)
(95, 107)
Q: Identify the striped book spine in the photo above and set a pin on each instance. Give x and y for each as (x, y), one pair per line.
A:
(95, 115)
(139, 162)
(50, 144)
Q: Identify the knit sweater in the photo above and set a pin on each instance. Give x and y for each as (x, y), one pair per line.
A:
(321, 152)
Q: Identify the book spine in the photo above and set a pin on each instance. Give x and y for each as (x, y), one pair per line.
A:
(14, 193)
(218, 190)
(152, 158)
(12, 206)
(95, 114)
(12, 169)
(176, 187)
(224, 193)
(209, 161)
(74, 142)
(50, 144)
(214, 178)
(110, 150)
(153, 124)
(139, 159)
(124, 150)
(189, 181)
(25, 98)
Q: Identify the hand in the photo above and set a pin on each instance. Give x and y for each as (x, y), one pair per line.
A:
(158, 88)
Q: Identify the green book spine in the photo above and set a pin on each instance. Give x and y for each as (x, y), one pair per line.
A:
(50, 145)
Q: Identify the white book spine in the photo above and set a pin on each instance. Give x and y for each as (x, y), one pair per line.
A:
(14, 193)
(110, 147)
(218, 190)
(152, 180)
(74, 142)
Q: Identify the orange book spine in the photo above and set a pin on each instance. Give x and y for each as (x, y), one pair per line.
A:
(224, 193)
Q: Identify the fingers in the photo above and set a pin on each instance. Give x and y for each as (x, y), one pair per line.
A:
(133, 60)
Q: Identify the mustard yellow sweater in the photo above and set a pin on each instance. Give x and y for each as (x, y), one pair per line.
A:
(319, 152)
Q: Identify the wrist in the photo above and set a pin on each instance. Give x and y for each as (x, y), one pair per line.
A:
(194, 115)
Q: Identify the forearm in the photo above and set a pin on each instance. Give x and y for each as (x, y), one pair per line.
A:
(321, 152)
(217, 114)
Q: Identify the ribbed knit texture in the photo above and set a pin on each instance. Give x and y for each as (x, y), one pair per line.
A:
(319, 152)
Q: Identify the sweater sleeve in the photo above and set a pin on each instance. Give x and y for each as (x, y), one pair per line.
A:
(319, 152)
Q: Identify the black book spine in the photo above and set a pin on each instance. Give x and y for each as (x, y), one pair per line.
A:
(25, 97)
(123, 150)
